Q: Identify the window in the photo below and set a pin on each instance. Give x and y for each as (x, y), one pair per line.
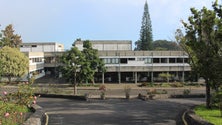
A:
(34, 45)
(108, 61)
(179, 60)
(172, 60)
(34, 60)
(186, 60)
(111, 60)
(163, 60)
(131, 59)
(156, 60)
(123, 60)
(148, 60)
(116, 60)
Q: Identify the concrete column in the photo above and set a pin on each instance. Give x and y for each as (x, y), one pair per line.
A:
(119, 77)
(103, 78)
(183, 76)
(135, 77)
(152, 76)
(177, 75)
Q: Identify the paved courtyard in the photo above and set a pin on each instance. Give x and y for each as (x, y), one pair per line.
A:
(116, 111)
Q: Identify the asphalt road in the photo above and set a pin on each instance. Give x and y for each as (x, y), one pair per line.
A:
(115, 111)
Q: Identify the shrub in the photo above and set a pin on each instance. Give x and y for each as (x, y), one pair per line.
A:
(143, 84)
(165, 85)
(217, 100)
(146, 84)
(102, 89)
(161, 91)
(14, 105)
(151, 91)
(186, 91)
(177, 84)
(165, 76)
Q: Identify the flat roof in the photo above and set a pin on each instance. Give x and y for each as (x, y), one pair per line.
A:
(40, 43)
(107, 41)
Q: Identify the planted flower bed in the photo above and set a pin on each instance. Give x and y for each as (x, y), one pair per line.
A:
(16, 106)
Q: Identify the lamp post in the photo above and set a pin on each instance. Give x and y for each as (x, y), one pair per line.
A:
(119, 75)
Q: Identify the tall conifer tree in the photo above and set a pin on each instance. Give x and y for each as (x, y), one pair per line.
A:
(146, 36)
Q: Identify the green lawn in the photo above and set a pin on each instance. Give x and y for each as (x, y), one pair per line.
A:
(211, 115)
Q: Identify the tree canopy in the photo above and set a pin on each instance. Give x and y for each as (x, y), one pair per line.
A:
(203, 42)
(92, 62)
(164, 45)
(146, 36)
(80, 66)
(9, 38)
(13, 62)
(72, 61)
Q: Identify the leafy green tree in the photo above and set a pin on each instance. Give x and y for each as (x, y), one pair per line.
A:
(72, 61)
(80, 66)
(202, 41)
(9, 38)
(92, 62)
(165, 45)
(0, 34)
(146, 36)
(165, 76)
(0, 45)
(13, 63)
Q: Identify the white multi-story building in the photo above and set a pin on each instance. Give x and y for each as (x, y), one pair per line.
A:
(36, 53)
(36, 64)
(122, 63)
(42, 47)
(107, 45)
(125, 65)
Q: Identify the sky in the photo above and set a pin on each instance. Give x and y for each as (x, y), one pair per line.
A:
(64, 21)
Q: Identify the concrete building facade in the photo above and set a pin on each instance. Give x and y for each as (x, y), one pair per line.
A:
(36, 64)
(107, 45)
(123, 65)
(37, 56)
(144, 66)
(42, 47)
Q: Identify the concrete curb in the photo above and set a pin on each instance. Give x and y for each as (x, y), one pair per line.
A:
(37, 118)
(188, 96)
(190, 118)
(62, 96)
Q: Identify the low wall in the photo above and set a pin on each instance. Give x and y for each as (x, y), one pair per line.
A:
(62, 96)
(37, 118)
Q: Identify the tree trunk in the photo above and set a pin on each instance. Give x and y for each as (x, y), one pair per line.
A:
(9, 79)
(75, 85)
(75, 89)
(93, 81)
(208, 94)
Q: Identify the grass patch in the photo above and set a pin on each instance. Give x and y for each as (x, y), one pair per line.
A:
(15, 107)
(210, 115)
